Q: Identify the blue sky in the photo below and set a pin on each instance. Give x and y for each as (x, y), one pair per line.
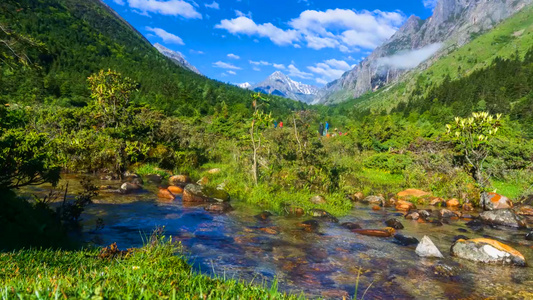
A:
(312, 41)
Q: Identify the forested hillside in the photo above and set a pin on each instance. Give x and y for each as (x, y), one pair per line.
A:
(513, 36)
(74, 38)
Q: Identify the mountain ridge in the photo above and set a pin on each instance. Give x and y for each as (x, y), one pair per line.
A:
(176, 57)
(282, 85)
(453, 22)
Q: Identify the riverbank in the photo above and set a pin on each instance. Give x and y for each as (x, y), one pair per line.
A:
(158, 270)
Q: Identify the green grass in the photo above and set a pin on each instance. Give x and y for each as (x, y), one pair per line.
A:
(156, 271)
(147, 169)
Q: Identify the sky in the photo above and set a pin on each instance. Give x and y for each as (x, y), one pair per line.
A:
(236, 41)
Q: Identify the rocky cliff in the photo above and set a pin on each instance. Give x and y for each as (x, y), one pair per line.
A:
(453, 23)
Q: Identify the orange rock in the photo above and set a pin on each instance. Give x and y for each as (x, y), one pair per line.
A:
(175, 189)
(453, 203)
(499, 201)
(179, 180)
(165, 194)
(435, 201)
(421, 220)
(375, 207)
(403, 205)
(468, 207)
(413, 193)
(386, 232)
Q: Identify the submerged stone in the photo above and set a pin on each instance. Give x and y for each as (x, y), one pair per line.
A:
(426, 248)
(487, 251)
(394, 223)
(263, 216)
(405, 240)
(219, 207)
(350, 225)
(128, 187)
(386, 232)
(323, 215)
(529, 236)
(309, 225)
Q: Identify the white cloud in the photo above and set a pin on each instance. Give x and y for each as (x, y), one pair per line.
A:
(246, 26)
(213, 5)
(321, 81)
(170, 8)
(119, 2)
(295, 72)
(223, 65)
(330, 69)
(431, 4)
(256, 69)
(233, 56)
(196, 52)
(410, 59)
(259, 63)
(279, 66)
(166, 36)
(232, 72)
(343, 29)
(241, 14)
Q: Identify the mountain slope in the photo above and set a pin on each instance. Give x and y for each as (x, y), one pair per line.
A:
(81, 37)
(176, 57)
(280, 84)
(513, 36)
(452, 24)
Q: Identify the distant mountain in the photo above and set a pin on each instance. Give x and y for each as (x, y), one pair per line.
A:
(453, 24)
(176, 57)
(245, 85)
(280, 84)
(81, 37)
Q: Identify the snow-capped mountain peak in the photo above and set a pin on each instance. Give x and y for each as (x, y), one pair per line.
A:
(176, 57)
(282, 85)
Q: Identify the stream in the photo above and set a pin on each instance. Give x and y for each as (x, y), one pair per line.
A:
(324, 264)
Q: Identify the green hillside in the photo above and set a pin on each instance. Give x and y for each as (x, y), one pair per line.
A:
(511, 37)
(80, 37)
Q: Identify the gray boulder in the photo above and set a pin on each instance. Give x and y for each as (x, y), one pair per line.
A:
(487, 251)
(426, 248)
(373, 200)
(504, 217)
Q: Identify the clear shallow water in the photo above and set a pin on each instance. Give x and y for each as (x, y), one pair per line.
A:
(323, 264)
